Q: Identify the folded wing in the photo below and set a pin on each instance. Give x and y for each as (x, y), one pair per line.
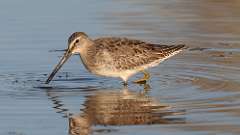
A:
(130, 54)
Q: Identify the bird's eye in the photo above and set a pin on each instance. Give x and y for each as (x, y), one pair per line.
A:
(77, 41)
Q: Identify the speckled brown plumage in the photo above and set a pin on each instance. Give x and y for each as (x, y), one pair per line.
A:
(129, 54)
(114, 56)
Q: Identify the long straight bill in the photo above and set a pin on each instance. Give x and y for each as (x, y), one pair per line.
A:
(59, 65)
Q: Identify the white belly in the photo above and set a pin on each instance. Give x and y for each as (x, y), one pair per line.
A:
(114, 73)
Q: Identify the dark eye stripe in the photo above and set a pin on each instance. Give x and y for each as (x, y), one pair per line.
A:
(75, 35)
(72, 37)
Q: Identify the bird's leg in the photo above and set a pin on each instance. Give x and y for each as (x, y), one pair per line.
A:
(125, 84)
(146, 87)
(144, 79)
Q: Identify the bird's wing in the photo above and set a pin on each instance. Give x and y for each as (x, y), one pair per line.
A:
(130, 54)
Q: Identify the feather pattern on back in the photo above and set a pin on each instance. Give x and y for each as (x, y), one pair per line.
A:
(129, 54)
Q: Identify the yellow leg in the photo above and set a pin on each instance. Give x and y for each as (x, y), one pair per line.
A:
(144, 79)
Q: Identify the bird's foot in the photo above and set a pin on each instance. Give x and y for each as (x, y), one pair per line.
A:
(146, 88)
(125, 83)
(144, 79)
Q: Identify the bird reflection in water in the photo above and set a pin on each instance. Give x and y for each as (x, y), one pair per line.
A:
(124, 107)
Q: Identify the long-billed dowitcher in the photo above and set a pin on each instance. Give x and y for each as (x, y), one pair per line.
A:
(116, 57)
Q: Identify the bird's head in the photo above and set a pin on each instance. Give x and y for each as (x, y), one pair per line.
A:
(76, 43)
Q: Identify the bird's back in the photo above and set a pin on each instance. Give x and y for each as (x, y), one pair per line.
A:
(127, 54)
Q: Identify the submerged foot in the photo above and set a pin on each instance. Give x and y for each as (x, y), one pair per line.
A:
(125, 83)
(144, 79)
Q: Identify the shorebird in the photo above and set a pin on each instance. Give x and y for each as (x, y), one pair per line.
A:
(115, 56)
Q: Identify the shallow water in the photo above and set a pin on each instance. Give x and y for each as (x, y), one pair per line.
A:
(196, 92)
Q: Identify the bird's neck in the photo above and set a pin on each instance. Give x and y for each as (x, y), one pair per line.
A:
(85, 46)
(86, 53)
